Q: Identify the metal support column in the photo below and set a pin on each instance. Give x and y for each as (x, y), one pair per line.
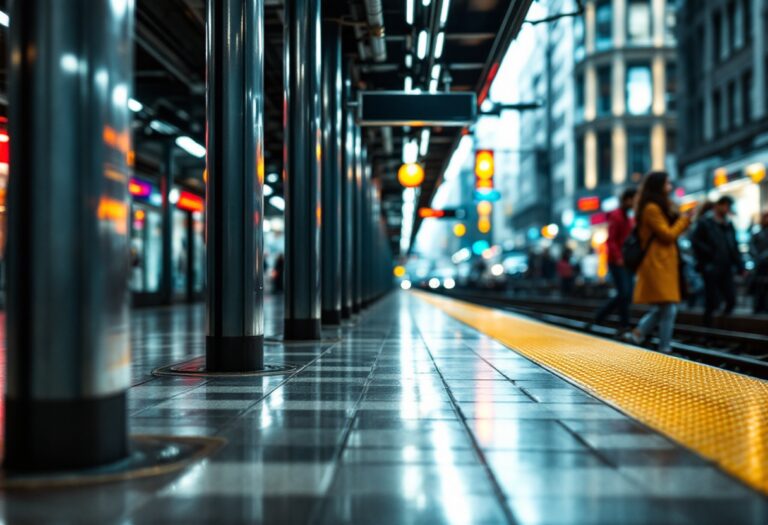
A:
(234, 196)
(331, 174)
(365, 224)
(302, 164)
(166, 263)
(347, 208)
(358, 214)
(68, 351)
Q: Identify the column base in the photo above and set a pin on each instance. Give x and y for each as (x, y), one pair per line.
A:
(47, 435)
(234, 354)
(302, 330)
(332, 317)
(346, 312)
(356, 308)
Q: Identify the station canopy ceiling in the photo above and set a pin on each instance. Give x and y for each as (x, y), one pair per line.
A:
(170, 76)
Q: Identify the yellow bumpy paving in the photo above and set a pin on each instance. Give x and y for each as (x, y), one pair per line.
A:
(721, 415)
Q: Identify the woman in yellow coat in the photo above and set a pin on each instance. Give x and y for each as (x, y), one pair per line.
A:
(658, 277)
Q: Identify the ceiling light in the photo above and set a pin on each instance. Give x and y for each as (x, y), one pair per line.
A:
(410, 151)
(436, 72)
(408, 84)
(433, 86)
(409, 60)
(444, 12)
(134, 105)
(277, 202)
(273, 177)
(4, 19)
(190, 146)
(425, 3)
(439, 43)
(421, 46)
(424, 147)
(409, 12)
(268, 190)
(162, 127)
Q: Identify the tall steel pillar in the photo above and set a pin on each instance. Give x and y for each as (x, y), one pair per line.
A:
(331, 175)
(357, 286)
(303, 167)
(234, 196)
(68, 350)
(166, 262)
(365, 244)
(347, 207)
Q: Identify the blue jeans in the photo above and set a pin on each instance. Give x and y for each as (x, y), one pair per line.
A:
(623, 281)
(662, 315)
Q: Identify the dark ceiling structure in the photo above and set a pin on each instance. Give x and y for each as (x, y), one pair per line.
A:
(170, 77)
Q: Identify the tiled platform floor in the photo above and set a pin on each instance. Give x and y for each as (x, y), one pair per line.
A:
(411, 418)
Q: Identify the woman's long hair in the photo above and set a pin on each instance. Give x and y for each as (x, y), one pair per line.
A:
(652, 191)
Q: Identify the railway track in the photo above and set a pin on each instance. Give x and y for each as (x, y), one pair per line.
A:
(739, 351)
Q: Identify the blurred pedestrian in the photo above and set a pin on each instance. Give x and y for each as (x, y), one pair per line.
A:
(717, 257)
(620, 225)
(758, 248)
(277, 274)
(566, 272)
(658, 276)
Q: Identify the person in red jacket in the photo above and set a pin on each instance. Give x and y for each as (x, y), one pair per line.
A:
(620, 225)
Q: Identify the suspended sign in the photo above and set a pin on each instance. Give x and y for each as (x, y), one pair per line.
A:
(401, 108)
(449, 213)
(190, 202)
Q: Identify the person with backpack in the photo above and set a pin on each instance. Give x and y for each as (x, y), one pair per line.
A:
(620, 225)
(758, 247)
(718, 257)
(658, 284)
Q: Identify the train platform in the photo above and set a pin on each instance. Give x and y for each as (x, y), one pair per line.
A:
(429, 410)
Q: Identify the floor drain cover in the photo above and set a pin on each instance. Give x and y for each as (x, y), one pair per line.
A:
(150, 456)
(196, 367)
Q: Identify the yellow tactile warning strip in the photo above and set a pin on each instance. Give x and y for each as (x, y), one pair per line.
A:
(721, 415)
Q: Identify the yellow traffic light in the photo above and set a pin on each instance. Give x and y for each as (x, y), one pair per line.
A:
(484, 164)
(459, 230)
(399, 271)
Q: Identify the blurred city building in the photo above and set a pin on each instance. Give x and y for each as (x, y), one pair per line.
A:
(605, 74)
(724, 72)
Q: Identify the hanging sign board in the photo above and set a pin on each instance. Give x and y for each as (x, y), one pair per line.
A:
(400, 108)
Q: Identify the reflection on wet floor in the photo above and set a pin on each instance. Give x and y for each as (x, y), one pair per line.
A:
(411, 418)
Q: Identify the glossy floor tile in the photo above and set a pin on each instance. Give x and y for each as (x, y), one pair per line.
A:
(412, 417)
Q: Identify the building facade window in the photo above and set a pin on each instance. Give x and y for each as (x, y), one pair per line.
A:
(580, 172)
(638, 152)
(578, 39)
(604, 90)
(639, 25)
(670, 23)
(604, 157)
(579, 97)
(604, 24)
(716, 112)
(738, 25)
(746, 97)
(639, 89)
(716, 35)
(671, 91)
(733, 106)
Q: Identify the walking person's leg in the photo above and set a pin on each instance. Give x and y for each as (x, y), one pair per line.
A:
(646, 325)
(711, 299)
(668, 313)
(728, 293)
(624, 289)
(610, 306)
